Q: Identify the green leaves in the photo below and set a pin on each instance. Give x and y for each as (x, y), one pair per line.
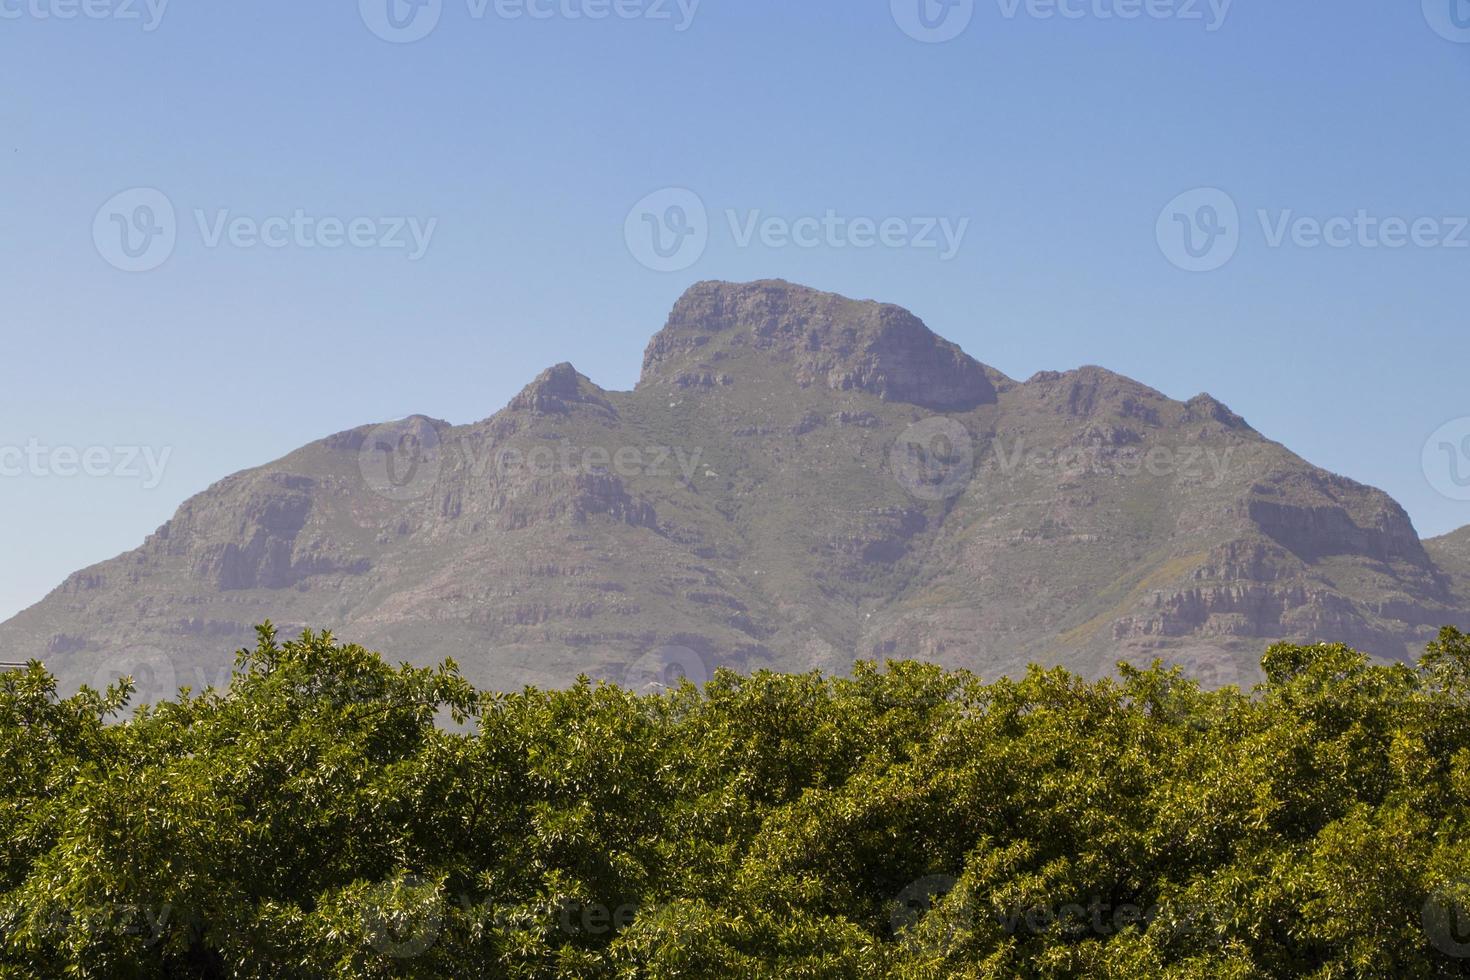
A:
(329, 815)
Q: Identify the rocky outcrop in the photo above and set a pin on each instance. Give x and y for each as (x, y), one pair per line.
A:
(557, 390)
(1094, 392)
(1316, 515)
(1207, 408)
(824, 340)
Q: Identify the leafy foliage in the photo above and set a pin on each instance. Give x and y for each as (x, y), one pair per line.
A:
(329, 815)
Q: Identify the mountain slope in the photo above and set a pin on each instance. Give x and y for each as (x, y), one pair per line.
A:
(797, 480)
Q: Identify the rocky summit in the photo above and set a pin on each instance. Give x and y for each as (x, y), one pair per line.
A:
(798, 480)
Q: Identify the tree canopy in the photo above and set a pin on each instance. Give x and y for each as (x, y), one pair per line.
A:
(331, 815)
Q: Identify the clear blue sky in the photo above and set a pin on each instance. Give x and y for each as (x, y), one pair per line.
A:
(529, 140)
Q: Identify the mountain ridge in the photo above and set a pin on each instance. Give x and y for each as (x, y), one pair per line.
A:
(797, 480)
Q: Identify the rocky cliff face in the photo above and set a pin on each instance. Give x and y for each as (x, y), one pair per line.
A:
(798, 480)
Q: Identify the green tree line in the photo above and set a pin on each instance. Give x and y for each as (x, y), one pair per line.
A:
(332, 815)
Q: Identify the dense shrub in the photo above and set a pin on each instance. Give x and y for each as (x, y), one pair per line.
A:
(330, 815)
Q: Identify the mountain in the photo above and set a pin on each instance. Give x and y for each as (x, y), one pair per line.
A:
(797, 480)
(1451, 553)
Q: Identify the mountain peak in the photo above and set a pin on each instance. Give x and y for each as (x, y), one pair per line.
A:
(824, 338)
(1207, 406)
(556, 390)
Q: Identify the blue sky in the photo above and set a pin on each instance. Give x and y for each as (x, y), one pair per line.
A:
(519, 147)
